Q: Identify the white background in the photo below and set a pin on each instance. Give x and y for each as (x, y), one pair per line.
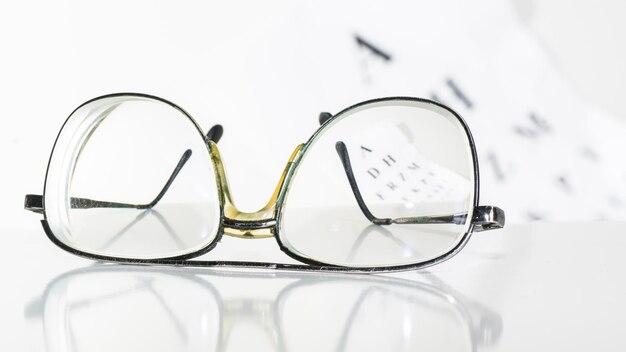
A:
(55, 55)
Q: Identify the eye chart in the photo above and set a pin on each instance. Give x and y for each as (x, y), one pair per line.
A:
(541, 149)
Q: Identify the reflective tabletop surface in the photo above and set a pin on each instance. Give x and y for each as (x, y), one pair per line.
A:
(527, 287)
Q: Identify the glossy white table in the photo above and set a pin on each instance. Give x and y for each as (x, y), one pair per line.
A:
(528, 287)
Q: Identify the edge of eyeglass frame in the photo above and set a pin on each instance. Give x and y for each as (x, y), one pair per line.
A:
(312, 265)
(476, 223)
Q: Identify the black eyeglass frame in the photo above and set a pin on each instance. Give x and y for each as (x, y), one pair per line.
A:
(482, 217)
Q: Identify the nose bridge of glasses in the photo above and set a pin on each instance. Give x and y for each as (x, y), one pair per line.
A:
(258, 224)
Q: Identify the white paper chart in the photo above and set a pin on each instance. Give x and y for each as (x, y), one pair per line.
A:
(396, 171)
(541, 149)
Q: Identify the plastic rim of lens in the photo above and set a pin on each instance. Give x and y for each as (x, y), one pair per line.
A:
(425, 103)
(73, 132)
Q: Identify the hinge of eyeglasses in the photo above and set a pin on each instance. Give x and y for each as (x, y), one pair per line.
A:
(34, 203)
(488, 217)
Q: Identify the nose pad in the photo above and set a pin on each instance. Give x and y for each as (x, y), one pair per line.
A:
(258, 224)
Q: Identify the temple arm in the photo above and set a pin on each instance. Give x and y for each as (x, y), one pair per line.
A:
(34, 202)
(484, 218)
(347, 167)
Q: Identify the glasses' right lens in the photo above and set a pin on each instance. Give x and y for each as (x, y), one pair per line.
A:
(384, 184)
(132, 177)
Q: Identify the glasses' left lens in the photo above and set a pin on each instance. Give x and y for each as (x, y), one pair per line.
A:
(132, 177)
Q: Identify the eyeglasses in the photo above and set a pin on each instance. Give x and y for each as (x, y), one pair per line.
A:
(385, 185)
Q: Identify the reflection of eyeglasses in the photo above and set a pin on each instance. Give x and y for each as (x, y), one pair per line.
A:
(407, 165)
(192, 310)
